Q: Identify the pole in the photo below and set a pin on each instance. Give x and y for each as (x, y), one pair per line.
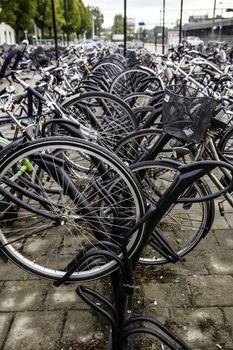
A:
(156, 38)
(54, 28)
(163, 29)
(93, 26)
(213, 24)
(181, 15)
(125, 28)
(66, 19)
(220, 23)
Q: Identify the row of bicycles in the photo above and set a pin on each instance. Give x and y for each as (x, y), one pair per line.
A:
(110, 161)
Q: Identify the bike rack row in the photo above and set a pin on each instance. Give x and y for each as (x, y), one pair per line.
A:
(118, 310)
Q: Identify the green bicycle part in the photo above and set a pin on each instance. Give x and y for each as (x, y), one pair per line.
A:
(26, 167)
(4, 141)
(26, 163)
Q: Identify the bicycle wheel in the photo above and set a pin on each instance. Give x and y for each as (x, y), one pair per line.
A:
(138, 99)
(109, 69)
(141, 145)
(108, 115)
(128, 81)
(66, 212)
(225, 146)
(184, 225)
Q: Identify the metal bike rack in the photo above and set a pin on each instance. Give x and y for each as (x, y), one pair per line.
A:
(123, 325)
(118, 310)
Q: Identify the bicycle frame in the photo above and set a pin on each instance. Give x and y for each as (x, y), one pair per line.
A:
(210, 148)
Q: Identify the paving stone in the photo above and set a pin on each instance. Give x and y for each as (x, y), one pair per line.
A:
(217, 346)
(229, 315)
(169, 294)
(225, 238)
(198, 326)
(229, 219)
(11, 272)
(193, 263)
(65, 296)
(220, 261)
(208, 290)
(161, 314)
(2, 284)
(79, 326)
(26, 295)
(229, 324)
(5, 321)
(221, 223)
(209, 242)
(35, 330)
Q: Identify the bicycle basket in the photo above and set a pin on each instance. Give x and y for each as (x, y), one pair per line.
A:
(187, 112)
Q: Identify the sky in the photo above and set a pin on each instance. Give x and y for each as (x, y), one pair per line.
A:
(149, 11)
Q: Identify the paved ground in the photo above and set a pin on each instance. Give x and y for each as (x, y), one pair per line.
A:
(194, 298)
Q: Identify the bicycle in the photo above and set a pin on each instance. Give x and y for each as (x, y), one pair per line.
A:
(149, 144)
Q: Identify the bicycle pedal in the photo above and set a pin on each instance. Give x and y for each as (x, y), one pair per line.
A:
(221, 208)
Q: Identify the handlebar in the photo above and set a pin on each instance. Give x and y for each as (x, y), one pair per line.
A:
(203, 62)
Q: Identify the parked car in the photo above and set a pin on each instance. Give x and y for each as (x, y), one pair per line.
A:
(86, 44)
(193, 41)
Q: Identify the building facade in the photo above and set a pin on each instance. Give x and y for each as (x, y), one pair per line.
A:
(7, 34)
(210, 29)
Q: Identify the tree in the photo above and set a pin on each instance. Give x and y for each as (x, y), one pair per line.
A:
(85, 19)
(98, 19)
(118, 25)
(18, 14)
(8, 13)
(43, 12)
(72, 17)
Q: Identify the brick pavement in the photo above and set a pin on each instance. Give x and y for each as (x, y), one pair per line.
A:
(193, 297)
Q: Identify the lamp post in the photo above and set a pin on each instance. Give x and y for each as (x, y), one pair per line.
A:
(93, 26)
(26, 34)
(181, 15)
(163, 29)
(54, 28)
(125, 27)
(220, 23)
(213, 23)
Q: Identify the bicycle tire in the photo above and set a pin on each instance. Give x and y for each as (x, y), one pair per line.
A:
(109, 69)
(225, 146)
(108, 114)
(137, 99)
(47, 249)
(184, 225)
(138, 146)
(10, 63)
(128, 81)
